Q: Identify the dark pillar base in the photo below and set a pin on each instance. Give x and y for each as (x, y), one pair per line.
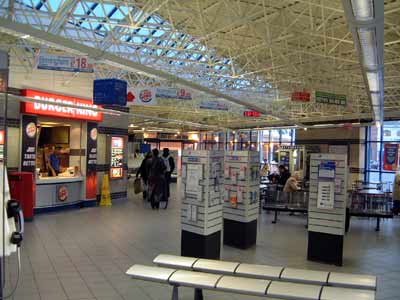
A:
(239, 234)
(201, 246)
(325, 248)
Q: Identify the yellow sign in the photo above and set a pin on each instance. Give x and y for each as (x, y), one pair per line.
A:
(105, 192)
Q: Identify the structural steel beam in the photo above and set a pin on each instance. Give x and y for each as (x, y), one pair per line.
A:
(68, 45)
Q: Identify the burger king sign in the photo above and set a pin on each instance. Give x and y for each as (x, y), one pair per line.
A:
(141, 96)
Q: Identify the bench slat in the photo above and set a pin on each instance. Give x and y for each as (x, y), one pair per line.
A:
(259, 271)
(334, 293)
(194, 279)
(297, 291)
(247, 286)
(215, 266)
(305, 276)
(149, 273)
(174, 261)
(352, 280)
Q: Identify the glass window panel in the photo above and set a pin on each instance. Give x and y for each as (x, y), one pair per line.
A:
(373, 177)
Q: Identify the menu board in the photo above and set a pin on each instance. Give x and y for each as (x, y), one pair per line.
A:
(117, 157)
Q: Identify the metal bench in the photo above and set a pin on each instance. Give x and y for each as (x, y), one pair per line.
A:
(245, 286)
(268, 272)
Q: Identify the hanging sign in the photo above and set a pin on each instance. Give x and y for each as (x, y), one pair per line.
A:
(174, 93)
(251, 114)
(141, 96)
(64, 63)
(91, 161)
(390, 157)
(301, 96)
(329, 98)
(54, 110)
(28, 151)
(213, 105)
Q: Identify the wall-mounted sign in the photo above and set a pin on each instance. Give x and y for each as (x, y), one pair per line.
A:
(301, 96)
(174, 93)
(28, 145)
(390, 157)
(54, 110)
(141, 96)
(91, 161)
(64, 63)
(213, 105)
(251, 114)
(329, 98)
(117, 157)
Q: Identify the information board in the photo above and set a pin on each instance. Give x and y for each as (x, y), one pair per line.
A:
(117, 157)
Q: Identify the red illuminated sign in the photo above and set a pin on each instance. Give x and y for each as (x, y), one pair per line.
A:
(53, 110)
(301, 96)
(1, 137)
(251, 114)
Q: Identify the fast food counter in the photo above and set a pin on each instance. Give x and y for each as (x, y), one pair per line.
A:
(53, 192)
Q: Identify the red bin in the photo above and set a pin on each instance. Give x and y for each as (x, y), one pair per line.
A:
(23, 189)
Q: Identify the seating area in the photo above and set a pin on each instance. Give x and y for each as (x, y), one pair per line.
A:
(257, 280)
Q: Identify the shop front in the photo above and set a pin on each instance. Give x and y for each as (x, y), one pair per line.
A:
(59, 146)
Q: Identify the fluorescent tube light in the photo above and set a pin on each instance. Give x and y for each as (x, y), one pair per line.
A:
(363, 9)
(373, 81)
(368, 47)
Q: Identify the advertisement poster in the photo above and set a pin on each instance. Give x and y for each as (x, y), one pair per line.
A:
(390, 157)
(91, 160)
(141, 96)
(330, 98)
(327, 169)
(174, 93)
(117, 157)
(64, 63)
(28, 144)
(3, 71)
(213, 105)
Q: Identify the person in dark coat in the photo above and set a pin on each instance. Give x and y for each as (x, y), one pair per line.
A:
(170, 167)
(156, 179)
(142, 172)
(284, 175)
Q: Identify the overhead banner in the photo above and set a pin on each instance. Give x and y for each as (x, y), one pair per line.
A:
(141, 96)
(301, 97)
(28, 144)
(3, 71)
(213, 105)
(64, 63)
(53, 110)
(174, 93)
(390, 157)
(329, 98)
(91, 161)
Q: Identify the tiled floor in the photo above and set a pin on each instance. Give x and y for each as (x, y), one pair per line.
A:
(83, 254)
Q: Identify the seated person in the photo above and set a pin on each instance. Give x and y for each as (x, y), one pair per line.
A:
(292, 184)
(284, 174)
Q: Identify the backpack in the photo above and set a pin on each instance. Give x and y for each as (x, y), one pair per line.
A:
(166, 163)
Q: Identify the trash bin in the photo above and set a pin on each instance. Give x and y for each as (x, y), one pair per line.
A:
(23, 189)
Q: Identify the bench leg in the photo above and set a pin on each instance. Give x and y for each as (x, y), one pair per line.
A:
(198, 294)
(175, 293)
(275, 217)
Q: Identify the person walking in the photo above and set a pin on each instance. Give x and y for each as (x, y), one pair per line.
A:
(156, 179)
(142, 172)
(170, 167)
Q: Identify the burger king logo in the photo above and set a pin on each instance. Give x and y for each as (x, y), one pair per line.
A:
(145, 96)
(130, 97)
(93, 134)
(31, 130)
(62, 193)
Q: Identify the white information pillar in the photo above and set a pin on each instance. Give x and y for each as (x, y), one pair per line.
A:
(327, 207)
(241, 197)
(202, 197)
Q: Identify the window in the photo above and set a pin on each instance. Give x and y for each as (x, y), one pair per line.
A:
(377, 138)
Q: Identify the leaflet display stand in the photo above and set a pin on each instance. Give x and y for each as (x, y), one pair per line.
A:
(327, 207)
(202, 197)
(241, 198)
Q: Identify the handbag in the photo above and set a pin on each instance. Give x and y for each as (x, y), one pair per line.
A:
(137, 186)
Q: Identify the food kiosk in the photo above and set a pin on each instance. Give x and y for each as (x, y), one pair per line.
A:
(59, 145)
